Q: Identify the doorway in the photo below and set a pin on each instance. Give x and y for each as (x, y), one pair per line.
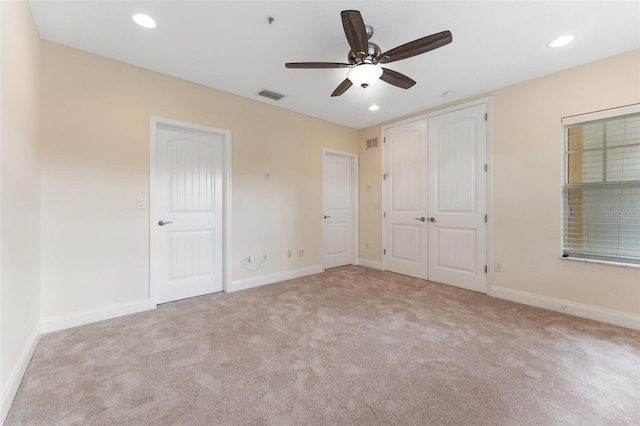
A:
(189, 210)
(435, 197)
(339, 202)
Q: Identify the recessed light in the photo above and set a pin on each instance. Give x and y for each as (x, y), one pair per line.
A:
(144, 20)
(374, 108)
(563, 40)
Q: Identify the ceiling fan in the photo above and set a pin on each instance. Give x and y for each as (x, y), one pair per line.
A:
(365, 55)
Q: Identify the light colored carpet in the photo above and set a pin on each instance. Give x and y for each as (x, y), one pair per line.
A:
(350, 346)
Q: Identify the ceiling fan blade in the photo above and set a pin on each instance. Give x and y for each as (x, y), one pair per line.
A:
(396, 78)
(316, 65)
(355, 31)
(415, 47)
(342, 87)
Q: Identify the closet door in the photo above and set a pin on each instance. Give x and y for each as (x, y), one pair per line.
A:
(406, 204)
(458, 198)
(436, 198)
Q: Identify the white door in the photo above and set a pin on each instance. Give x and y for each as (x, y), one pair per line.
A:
(406, 204)
(458, 198)
(435, 171)
(338, 206)
(188, 213)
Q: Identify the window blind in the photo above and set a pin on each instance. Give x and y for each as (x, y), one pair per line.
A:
(601, 188)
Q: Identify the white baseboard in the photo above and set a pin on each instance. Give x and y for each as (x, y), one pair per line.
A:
(75, 319)
(274, 278)
(585, 311)
(370, 264)
(10, 390)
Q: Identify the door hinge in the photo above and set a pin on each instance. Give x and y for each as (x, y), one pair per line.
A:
(384, 140)
(384, 252)
(485, 218)
(486, 167)
(486, 117)
(384, 214)
(385, 176)
(486, 269)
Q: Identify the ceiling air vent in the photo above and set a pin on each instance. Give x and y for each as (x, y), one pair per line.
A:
(372, 143)
(271, 95)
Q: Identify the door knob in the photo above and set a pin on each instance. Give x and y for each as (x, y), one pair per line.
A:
(163, 223)
(326, 217)
(432, 219)
(421, 219)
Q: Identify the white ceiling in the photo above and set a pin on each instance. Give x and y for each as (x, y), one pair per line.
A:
(228, 45)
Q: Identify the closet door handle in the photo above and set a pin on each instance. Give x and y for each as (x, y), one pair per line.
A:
(163, 223)
(421, 219)
(432, 219)
(326, 217)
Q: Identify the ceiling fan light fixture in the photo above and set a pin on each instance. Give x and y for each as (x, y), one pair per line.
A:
(365, 75)
(143, 20)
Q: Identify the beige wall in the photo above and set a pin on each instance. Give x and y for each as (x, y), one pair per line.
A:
(19, 186)
(526, 174)
(370, 207)
(96, 163)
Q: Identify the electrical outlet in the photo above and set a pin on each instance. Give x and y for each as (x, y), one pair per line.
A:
(139, 203)
(498, 267)
(300, 252)
(289, 253)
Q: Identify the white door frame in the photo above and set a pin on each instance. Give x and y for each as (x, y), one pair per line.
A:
(480, 101)
(354, 200)
(156, 121)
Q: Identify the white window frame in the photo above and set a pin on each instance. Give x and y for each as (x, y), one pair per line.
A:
(584, 119)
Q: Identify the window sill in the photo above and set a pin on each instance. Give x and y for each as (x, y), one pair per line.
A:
(602, 262)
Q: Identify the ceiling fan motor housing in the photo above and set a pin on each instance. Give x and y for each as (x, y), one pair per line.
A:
(372, 52)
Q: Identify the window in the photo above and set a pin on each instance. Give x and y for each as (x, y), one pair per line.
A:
(601, 186)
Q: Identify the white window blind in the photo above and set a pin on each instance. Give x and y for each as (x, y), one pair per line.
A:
(601, 186)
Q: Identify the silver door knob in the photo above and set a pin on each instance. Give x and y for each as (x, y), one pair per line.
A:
(421, 219)
(163, 223)
(432, 219)
(326, 217)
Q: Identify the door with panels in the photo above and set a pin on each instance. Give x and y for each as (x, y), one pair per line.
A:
(406, 199)
(458, 198)
(435, 198)
(188, 208)
(338, 205)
